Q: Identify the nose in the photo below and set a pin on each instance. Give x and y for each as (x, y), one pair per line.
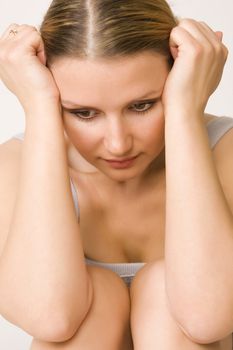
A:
(118, 139)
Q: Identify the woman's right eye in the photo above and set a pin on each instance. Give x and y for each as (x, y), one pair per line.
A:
(85, 115)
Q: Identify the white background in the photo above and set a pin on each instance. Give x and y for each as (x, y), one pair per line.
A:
(217, 14)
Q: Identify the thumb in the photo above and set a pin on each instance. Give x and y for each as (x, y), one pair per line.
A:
(41, 53)
(174, 51)
(219, 35)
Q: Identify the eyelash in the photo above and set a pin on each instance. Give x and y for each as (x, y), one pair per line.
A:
(89, 119)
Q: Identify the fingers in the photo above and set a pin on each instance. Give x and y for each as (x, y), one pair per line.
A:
(219, 35)
(213, 35)
(199, 31)
(21, 39)
(6, 33)
(19, 33)
(216, 37)
(15, 31)
(196, 35)
(181, 39)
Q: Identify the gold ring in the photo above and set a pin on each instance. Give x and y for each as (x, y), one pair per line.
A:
(13, 31)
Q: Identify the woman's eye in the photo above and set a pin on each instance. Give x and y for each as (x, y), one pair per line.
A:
(85, 114)
(89, 115)
(143, 107)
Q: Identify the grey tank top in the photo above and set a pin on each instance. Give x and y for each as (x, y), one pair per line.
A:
(216, 128)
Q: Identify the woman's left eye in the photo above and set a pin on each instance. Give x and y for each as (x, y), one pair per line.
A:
(142, 107)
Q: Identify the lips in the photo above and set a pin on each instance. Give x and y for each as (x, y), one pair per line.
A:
(121, 164)
(120, 160)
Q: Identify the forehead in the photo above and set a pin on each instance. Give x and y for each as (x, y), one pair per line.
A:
(84, 78)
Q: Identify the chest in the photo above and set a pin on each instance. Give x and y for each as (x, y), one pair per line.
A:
(123, 230)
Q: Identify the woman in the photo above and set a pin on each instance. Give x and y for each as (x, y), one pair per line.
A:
(114, 94)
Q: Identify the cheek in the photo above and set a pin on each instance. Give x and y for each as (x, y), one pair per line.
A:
(84, 137)
(154, 132)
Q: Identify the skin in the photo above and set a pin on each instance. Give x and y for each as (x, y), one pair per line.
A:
(116, 130)
(124, 140)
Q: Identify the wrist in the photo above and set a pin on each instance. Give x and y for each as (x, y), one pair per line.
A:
(43, 107)
(44, 116)
(183, 113)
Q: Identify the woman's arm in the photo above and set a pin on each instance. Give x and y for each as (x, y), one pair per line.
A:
(44, 285)
(199, 221)
(199, 233)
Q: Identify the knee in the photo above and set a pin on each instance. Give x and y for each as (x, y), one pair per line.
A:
(150, 278)
(109, 290)
(110, 299)
(110, 310)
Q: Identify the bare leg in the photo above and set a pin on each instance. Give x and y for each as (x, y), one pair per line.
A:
(107, 325)
(152, 325)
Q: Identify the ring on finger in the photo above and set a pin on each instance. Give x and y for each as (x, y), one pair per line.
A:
(13, 31)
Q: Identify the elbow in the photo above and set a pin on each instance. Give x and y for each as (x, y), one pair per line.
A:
(205, 328)
(52, 330)
(60, 326)
(204, 332)
(64, 328)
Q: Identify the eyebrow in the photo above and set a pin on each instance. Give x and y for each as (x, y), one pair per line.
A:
(75, 105)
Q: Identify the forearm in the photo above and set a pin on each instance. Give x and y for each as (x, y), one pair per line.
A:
(42, 267)
(199, 224)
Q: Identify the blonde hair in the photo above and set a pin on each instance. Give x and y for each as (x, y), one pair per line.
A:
(107, 28)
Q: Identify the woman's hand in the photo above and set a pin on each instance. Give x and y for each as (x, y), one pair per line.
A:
(200, 57)
(23, 66)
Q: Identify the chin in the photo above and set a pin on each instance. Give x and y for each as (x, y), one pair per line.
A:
(123, 175)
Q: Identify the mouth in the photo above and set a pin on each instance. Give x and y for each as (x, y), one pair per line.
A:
(121, 163)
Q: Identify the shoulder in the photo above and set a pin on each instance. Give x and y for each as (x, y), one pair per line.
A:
(224, 145)
(10, 157)
(223, 161)
(222, 129)
(10, 152)
(209, 117)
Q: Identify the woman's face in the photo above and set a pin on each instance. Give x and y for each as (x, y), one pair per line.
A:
(112, 110)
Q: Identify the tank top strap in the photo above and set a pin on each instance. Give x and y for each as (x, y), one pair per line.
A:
(217, 128)
(75, 198)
